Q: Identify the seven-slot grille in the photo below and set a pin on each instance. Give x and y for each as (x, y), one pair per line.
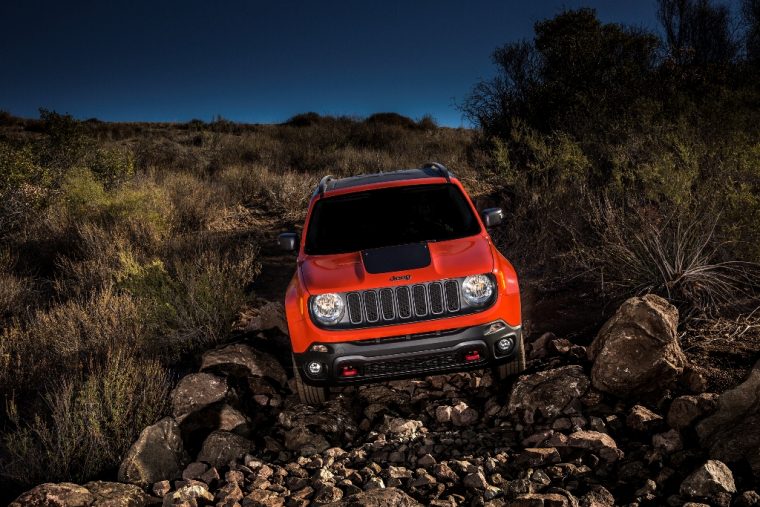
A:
(405, 303)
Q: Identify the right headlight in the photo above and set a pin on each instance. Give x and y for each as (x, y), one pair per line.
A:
(478, 289)
(327, 308)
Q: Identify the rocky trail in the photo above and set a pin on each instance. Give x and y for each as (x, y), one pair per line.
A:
(623, 417)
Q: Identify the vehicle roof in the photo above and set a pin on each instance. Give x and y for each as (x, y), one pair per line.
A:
(433, 170)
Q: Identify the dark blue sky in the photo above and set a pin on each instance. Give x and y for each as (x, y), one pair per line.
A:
(261, 61)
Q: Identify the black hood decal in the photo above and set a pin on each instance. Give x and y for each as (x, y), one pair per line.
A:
(388, 259)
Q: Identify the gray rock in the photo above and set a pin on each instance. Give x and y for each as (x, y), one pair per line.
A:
(637, 350)
(269, 316)
(327, 495)
(463, 415)
(263, 498)
(116, 494)
(748, 499)
(732, 433)
(157, 454)
(548, 393)
(55, 495)
(401, 428)
(600, 443)
(194, 470)
(538, 456)
(475, 480)
(195, 392)
(240, 359)
(190, 493)
(306, 442)
(642, 419)
(221, 447)
(668, 442)
(161, 488)
(711, 480)
(599, 496)
(386, 497)
(686, 409)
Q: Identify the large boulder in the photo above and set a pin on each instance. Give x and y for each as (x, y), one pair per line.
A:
(157, 454)
(196, 392)
(712, 480)
(732, 433)
(55, 495)
(240, 359)
(221, 447)
(548, 393)
(381, 497)
(308, 429)
(637, 350)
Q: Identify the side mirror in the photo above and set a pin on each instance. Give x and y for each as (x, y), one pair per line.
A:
(288, 241)
(492, 216)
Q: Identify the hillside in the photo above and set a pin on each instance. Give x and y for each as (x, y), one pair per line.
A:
(141, 248)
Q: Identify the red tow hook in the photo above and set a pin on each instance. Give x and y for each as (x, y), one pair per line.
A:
(348, 371)
(473, 355)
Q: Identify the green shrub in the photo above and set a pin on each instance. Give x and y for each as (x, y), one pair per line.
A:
(140, 206)
(112, 166)
(192, 302)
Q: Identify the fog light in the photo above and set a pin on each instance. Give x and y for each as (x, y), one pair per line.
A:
(314, 368)
(505, 345)
(318, 348)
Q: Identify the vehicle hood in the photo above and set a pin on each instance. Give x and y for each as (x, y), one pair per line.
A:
(346, 272)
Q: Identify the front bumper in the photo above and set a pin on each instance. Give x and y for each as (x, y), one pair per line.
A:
(409, 356)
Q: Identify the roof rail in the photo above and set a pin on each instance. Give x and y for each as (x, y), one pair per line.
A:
(440, 168)
(323, 184)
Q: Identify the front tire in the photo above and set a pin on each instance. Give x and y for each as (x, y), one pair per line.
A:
(515, 366)
(309, 395)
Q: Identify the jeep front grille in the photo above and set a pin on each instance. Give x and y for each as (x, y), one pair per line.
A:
(407, 303)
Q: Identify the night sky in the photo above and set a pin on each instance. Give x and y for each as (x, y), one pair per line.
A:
(262, 62)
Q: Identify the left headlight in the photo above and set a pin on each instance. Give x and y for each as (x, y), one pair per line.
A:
(478, 289)
(327, 308)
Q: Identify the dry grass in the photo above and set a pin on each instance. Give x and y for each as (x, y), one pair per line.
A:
(677, 257)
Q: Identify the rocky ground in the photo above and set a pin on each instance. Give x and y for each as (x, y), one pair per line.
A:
(625, 421)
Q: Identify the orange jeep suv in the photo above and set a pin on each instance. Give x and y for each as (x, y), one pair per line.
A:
(397, 277)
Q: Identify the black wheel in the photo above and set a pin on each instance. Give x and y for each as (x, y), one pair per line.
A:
(309, 395)
(515, 366)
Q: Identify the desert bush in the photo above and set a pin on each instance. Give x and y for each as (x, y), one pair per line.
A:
(66, 143)
(90, 420)
(15, 291)
(391, 119)
(195, 201)
(632, 252)
(112, 165)
(282, 196)
(53, 343)
(140, 206)
(94, 262)
(190, 302)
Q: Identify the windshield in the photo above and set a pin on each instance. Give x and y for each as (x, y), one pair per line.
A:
(387, 217)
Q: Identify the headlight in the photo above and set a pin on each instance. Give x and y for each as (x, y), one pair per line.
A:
(327, 308)
(477, 289)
